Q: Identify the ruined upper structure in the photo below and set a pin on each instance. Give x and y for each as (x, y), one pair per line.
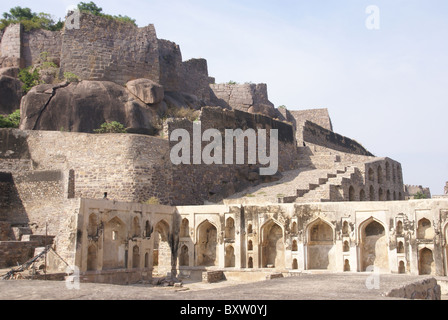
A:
(94, 192)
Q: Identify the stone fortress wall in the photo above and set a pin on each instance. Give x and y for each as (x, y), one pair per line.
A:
(88, 191)
(406, 237)
(107, 50)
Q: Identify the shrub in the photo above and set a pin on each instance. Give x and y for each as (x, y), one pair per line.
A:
(30, 20)
(188, 113)
(153, 200)
(29, 78)
(71, 77)
(10, 121)
(92, 8)
(111, 127)
(420, 195)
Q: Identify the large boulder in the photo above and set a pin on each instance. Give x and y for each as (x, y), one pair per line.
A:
(84, 106)
(10, 72)
(248, 97)
(146, 90)
(10, 93)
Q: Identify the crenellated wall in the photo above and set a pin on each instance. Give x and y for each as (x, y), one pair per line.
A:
(312, 133)
(36, 42)
(106, 49)
(249, 97)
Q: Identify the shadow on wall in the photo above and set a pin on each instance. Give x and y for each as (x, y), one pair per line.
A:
(11, 206)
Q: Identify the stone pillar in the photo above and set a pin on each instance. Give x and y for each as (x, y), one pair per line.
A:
(11, 45)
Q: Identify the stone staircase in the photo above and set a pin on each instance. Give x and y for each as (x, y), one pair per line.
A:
(318, 158)
(330, 189)
(322, 176)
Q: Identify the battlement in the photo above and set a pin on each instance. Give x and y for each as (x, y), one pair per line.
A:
(107, 50)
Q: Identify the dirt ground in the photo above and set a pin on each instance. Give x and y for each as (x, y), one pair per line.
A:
(303, 287)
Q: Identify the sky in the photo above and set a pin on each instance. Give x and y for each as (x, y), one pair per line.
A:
(386, 87)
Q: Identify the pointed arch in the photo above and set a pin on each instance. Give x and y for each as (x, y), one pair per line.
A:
(207, 244)
(320, 230)
(426, 264)
(185, 228)
(387, 171)
(136, 257)
(425, 230)
(295, 246)
(273, 247)
(92, 228)
(184, 257)
(92, 263)
(295, 265)
(351, 194)
(230, 229)
(380, 174)
(373, 243)
(161, 248)
(372, 193)
(320, 242)
(362, 195)
(229, 257)
(114, 248)
(136, 230)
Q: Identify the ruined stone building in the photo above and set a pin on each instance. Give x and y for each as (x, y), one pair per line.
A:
(332, 205)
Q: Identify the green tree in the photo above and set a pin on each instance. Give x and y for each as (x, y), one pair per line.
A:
(125, 19)
(29, 78)
(111, 127)
(90, 7)
(30, 20)
(10, 121)
(19, 13)
(420, 195)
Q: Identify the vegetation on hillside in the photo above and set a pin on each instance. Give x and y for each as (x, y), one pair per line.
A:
(30, 20)
(92, 8)
(10, 121)
(111, 127)
(420, 195)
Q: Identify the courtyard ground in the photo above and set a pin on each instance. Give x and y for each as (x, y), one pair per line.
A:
(304, 287)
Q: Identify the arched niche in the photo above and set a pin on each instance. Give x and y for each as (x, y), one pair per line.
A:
(161, 249)
(92, 228)
(136, 257)
(136, 230)
(114, 244)
(273, 247)
(230, 229)
(320, 244)
(92, 260)
(426, 264)
(184, 257)
(185, 228)
(229, 257)
(425, 230)
(207, 244)
(373, 246)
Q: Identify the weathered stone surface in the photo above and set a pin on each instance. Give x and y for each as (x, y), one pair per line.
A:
(182, 100)
(6, 62)
(10, 94)
(83, 107)
(10, 72)
(146, 90)
(249, 97)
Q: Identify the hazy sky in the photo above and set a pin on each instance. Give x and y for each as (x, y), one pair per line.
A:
(386, 88)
